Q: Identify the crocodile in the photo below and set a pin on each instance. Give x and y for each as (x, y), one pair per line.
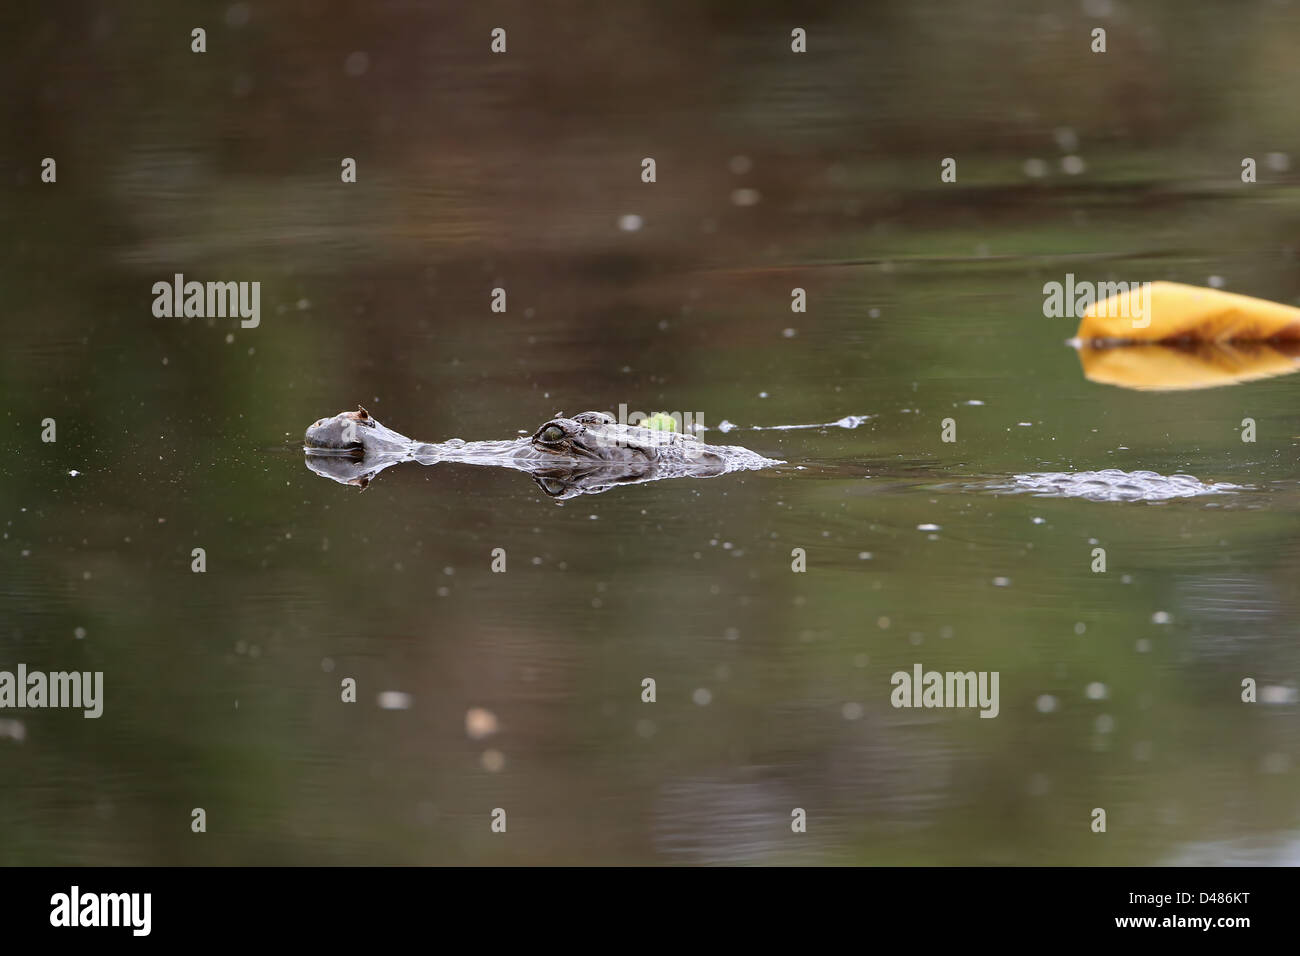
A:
(591, 453)
(588, 453)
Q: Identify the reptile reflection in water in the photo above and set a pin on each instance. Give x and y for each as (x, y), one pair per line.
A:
(589, 453)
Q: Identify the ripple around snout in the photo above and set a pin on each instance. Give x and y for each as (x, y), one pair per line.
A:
(1112, 484)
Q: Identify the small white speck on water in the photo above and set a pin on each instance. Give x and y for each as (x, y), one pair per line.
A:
(494, 761)
(1046, 704)
(230, 337)
(1096, 691)
(1143, 645)
(762, 394)
(1142, 750)
(1080, 628)
(1024, 424)
(789, 333)
(1073, 165)
(1215, 282)
(1278, 162)
(73, 473)
(1278, 694)
(745, 197)
(630, 223)
(882, 622)
(480, 723)
(1038, 520)
(928, 527)
(1276, 762)
(1035, 168)
(1160, 617)
(394, 700)
(1001, 582)
(851, 710)
(357, 63)
(1104, 723)
(973, 401)
(13, 729)
(864, 555)
(702, 696)
(79, 633)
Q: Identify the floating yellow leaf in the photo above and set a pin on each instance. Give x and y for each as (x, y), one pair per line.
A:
(1171, 312)
(1202, 365)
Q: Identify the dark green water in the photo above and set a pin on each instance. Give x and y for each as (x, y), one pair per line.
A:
(1119, 690)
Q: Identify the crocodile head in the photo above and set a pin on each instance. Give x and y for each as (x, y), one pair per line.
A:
(340, 434)
(586, 454)
(353, 435)
(595, 436)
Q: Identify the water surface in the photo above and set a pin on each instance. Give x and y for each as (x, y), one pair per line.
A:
(1119, 689)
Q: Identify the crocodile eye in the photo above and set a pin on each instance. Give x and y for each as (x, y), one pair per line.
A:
(552, 433)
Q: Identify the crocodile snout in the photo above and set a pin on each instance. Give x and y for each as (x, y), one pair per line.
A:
(338, 434)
